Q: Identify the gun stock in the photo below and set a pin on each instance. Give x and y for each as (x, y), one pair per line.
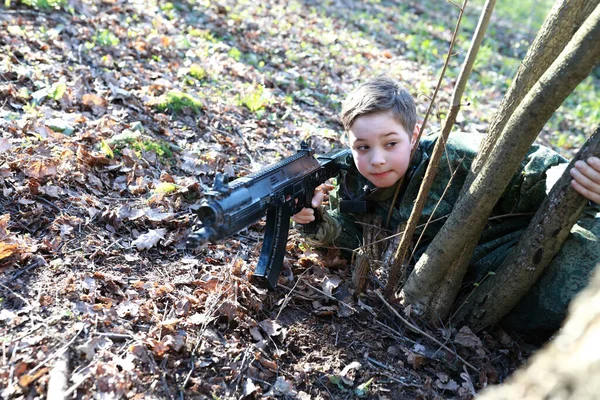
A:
(278, 191)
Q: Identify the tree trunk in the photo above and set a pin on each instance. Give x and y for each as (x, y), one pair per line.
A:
(569, 366)
(562, 22)
(548, 229)
(451, 248)
(398, 268)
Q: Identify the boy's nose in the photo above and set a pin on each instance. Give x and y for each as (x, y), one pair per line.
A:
(377, 158)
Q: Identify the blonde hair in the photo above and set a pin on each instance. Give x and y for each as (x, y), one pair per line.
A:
(380, 94)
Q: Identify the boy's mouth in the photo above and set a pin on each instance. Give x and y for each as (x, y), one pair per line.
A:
(381, 174)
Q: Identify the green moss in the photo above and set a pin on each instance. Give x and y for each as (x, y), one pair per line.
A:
(177, 102)
(197, 72)
(139, 143)
(255, 98)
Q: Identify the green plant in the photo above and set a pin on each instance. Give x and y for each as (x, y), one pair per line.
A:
(197, 72)
(106, 38)
(41, 4)
(165, 188)
(235, 54)
(255, 99)
(137, 142)
(177, 102)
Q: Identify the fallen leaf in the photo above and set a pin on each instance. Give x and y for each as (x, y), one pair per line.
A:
(4, 145)
(27, 379)
(248, 388)
(8, 249)
(149, 240)
(451, 385)
(330, 283)
(271, 328)
(40, 169)
(350, 367)
(416, 360)
(465, 337)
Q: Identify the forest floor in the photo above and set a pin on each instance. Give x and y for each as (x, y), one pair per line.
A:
(115, 117)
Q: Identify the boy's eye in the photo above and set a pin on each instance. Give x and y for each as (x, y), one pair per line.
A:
(362, 148)
(391, 144)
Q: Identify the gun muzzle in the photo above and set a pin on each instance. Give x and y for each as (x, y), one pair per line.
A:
(200, 238)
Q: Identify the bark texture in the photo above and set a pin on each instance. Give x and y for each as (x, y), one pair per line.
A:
(451, 248)
(567, 367)
(548, 229)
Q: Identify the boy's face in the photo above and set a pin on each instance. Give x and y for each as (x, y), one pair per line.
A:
(381, 147)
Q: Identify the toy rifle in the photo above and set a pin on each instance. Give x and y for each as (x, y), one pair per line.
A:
(278, 191)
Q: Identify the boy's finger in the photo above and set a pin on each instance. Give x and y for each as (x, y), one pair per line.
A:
(587, 175)
(317, 199)
(588, 194)
(594, 165)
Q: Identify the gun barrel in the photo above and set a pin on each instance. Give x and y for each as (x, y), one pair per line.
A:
(200, 238)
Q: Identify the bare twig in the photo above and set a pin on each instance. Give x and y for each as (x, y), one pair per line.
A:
(286, 299)
(331, 297)
(449, 54)
(418, 330)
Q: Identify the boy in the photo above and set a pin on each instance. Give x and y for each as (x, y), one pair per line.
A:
(379, 119)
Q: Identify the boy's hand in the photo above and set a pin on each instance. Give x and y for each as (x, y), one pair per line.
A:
(308, 214)
(586, 178)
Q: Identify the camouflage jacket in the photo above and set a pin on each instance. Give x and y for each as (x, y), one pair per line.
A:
(509, 218)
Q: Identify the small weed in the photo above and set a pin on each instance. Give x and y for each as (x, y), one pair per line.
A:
(177, 102)
(42, 4)
(161, 148)
(197, 72)
(165, 188)
(106, 38)
(235, 54)
(137, 142)
(255, 100)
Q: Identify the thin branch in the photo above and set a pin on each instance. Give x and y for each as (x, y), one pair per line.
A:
(400, 256)
(431, 105)
(418, 330)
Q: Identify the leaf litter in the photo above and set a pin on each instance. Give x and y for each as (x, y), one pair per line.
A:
(99, 176)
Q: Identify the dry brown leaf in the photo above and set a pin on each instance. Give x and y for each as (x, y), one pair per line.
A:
(415, 359)
(91, 100)
(272, 365)
(39, 169)
(158, 348)
(8, 249)
(465, 337)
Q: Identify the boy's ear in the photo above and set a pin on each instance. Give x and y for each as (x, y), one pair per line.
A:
(415, 135)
